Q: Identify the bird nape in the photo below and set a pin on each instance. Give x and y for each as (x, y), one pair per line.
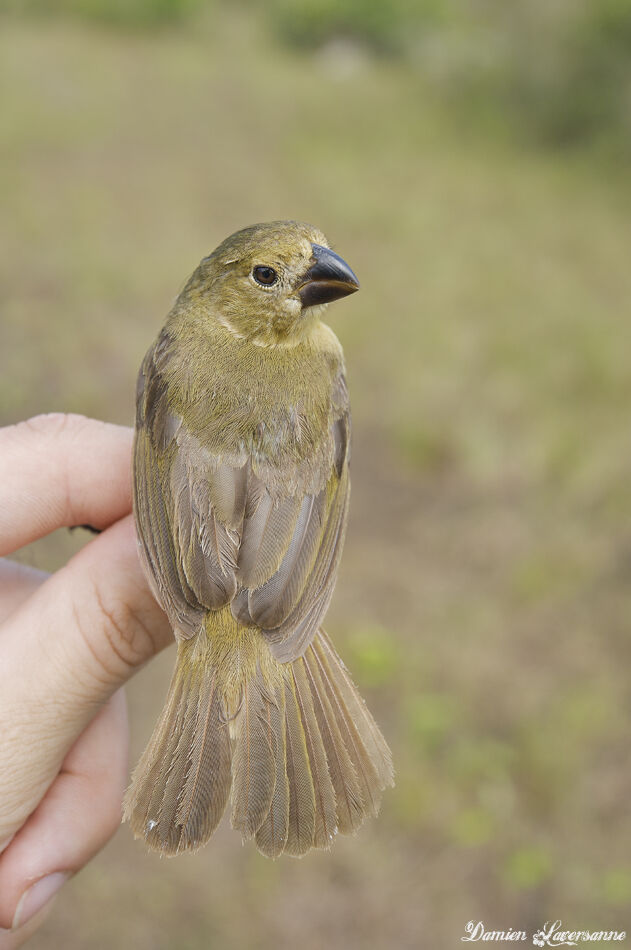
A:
(241, 490)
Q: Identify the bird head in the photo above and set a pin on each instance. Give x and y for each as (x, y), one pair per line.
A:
(268, 283)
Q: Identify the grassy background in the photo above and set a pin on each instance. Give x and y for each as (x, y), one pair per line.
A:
(483, 598)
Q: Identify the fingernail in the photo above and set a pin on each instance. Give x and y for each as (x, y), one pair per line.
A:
(36, 896)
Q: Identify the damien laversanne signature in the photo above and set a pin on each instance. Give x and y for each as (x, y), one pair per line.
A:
(552, 934)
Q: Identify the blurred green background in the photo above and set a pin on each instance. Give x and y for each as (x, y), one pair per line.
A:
(471, 161)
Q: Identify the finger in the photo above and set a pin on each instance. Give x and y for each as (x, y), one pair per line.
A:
(64, 652)
(12, 939)
(17, 582)
(61, 470)
(78, 815)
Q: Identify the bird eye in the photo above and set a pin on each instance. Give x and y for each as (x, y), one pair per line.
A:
(265, 275)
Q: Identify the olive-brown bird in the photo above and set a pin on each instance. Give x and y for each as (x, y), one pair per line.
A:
(241, 490)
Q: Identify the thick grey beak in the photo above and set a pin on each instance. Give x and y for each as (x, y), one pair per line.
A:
(328, 278)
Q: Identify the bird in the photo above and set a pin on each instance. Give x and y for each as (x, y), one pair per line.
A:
(241, 492)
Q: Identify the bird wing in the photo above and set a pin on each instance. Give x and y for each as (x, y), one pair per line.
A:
(215, 531)
(290, 552)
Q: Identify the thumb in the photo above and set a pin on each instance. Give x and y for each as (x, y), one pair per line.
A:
(64, 652)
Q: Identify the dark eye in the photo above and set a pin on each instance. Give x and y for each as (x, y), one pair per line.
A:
(265, 275)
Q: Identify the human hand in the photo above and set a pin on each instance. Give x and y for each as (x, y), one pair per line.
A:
(67, 643)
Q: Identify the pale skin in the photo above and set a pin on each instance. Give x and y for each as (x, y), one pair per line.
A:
(68, 642)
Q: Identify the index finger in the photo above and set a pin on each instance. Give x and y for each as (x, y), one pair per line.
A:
(61, 470)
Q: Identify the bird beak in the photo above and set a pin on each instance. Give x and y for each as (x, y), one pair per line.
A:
(328, 278)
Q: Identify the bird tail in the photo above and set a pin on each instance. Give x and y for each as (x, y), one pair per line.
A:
(293, 746)
(331, 760)
(181, 784)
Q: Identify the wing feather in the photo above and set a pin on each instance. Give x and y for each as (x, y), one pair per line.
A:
(215, 531)
(189, 506)
(290, 606)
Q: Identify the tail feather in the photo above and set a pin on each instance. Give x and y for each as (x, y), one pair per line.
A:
(301, 758)
(180, 787)
(254, 762)
(151, 776)
(301, 792)
(365, 773)
(155, 759)
(271, 837)
(349, 808)
(164, 800)
(208, 778)
(372, 766)
(371, 735)
(325, 827)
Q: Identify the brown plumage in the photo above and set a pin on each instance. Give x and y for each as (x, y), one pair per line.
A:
(241, 491)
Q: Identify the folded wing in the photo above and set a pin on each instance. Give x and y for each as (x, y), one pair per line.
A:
(213, 532)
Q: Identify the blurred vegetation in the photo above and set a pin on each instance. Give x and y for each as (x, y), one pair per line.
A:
(556, 73)
(483, 602)
(126, 14)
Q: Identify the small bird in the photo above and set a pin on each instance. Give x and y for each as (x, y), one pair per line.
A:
(241, 490)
